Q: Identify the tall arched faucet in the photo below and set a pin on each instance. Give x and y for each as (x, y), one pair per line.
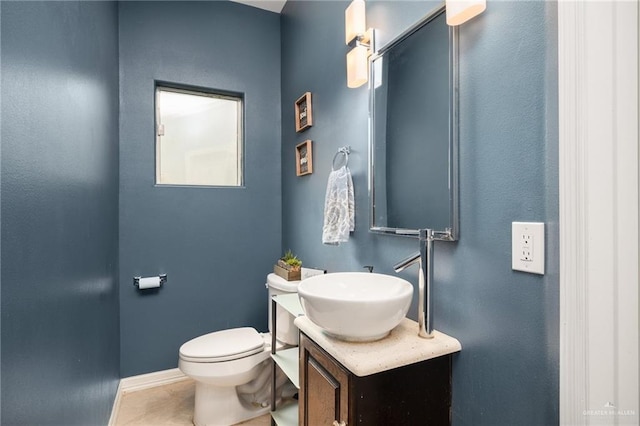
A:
(424, 258)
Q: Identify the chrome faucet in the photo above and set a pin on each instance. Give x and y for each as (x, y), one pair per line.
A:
(424, 258)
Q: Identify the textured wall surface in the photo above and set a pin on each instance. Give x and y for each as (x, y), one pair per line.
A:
(59, 212)
(216, 244)
(507, 321)
(59, 194)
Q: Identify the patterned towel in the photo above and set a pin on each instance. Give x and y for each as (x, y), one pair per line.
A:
(339, 207)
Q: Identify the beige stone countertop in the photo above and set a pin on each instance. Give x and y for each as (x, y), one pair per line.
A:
(401, 347)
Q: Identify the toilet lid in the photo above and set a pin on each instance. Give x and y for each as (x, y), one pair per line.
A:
(225, 345)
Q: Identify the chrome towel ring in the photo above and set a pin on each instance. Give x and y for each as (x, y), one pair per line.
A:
(345, 151)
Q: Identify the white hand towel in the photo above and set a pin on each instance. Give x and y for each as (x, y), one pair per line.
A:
(339, 207)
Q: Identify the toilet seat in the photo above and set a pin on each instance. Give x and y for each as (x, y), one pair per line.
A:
(224, 345)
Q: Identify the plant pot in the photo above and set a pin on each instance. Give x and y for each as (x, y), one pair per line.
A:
(286, 274)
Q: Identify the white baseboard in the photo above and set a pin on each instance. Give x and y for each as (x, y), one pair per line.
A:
(151, 380)
(141, 382)
(116, 405)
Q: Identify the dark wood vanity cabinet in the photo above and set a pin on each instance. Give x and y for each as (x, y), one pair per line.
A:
(415, 394)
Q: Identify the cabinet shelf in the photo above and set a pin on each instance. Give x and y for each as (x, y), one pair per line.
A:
(287, 360)
(287, 415)
(290, 303)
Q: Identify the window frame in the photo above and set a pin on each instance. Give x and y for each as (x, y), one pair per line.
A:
(199, 91)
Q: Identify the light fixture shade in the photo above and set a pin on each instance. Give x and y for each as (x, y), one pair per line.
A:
(357, 67)
(460, 11)
(354, 20)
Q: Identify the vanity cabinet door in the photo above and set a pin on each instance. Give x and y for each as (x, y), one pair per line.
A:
(324, 387)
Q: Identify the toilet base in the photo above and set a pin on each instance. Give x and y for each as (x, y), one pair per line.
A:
(221, 406)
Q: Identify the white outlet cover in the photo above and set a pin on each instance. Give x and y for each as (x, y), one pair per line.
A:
(527, 247)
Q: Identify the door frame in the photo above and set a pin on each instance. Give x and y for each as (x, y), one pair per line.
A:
(598, 223)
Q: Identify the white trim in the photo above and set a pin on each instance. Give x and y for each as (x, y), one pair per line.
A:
(141, 382)
(151, 380)
(116, 405)
(573, 383)
(598, 176)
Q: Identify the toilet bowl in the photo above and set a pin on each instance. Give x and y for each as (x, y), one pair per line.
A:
(231, 368)
(222, 361)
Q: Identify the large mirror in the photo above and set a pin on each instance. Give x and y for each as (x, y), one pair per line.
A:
(414, 130)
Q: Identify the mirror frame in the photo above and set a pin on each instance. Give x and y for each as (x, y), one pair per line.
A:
(450, 233)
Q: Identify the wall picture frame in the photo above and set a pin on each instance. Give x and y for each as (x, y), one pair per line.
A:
(304, 158)
(304, 112)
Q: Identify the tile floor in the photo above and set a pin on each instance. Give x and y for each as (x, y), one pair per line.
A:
(165, 405)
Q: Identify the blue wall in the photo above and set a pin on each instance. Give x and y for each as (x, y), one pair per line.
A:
(215, 244)
(59, 186)
(507, 321)
(59, 212)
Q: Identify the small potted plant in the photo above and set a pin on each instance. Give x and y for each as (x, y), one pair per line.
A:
(288, 267)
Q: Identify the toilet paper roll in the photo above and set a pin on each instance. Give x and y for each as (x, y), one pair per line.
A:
(149, 282)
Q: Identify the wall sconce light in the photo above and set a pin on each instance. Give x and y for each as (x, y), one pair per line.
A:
(460, 11)
(361, 40)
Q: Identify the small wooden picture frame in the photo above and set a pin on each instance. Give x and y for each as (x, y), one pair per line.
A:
(304, 158)
(304, 113)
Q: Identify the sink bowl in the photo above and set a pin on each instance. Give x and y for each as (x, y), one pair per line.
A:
(355, 306)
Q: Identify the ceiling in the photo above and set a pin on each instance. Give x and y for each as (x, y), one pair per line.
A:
(271, 5)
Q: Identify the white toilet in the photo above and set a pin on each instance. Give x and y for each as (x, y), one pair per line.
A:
(232, 367)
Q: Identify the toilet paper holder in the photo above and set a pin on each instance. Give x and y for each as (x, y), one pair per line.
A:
(163, 279)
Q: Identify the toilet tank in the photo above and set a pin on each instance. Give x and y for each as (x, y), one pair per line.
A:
(286, 332)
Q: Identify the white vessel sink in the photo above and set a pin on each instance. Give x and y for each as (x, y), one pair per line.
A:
(355, 306)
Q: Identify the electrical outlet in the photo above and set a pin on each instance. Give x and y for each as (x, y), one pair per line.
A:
(527, 247)
(526, 244)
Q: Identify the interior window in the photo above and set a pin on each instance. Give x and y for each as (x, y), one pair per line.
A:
(198, 137)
